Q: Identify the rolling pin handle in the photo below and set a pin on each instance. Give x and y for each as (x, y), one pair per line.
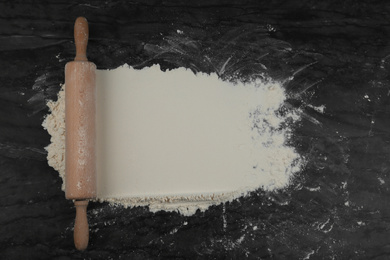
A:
(81, 228)
(81, 33)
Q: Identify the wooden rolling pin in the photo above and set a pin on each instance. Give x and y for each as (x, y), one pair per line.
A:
(80, 166)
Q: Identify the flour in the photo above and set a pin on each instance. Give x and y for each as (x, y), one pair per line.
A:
(181, 142)
(54, 123)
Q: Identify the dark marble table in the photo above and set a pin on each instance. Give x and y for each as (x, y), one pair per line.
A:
(332, 53)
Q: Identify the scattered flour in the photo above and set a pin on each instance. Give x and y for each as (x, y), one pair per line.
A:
(54, 123)
(181, 142)
(319, 109)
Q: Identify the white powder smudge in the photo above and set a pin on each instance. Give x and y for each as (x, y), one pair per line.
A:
(265, 160)
(319, 109)
(309, 255)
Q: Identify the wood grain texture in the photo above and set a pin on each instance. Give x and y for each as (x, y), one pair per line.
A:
(337, 53)
(80, 130)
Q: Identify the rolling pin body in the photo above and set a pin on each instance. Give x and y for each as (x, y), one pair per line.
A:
(80, 94)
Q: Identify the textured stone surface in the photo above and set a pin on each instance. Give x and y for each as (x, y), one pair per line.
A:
(336, 53)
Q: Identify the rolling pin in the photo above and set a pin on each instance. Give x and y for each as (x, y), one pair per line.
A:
(80, 166)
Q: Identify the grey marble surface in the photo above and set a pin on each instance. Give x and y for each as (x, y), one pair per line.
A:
(336, 54)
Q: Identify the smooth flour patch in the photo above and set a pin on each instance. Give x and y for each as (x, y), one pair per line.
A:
(180, 142)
